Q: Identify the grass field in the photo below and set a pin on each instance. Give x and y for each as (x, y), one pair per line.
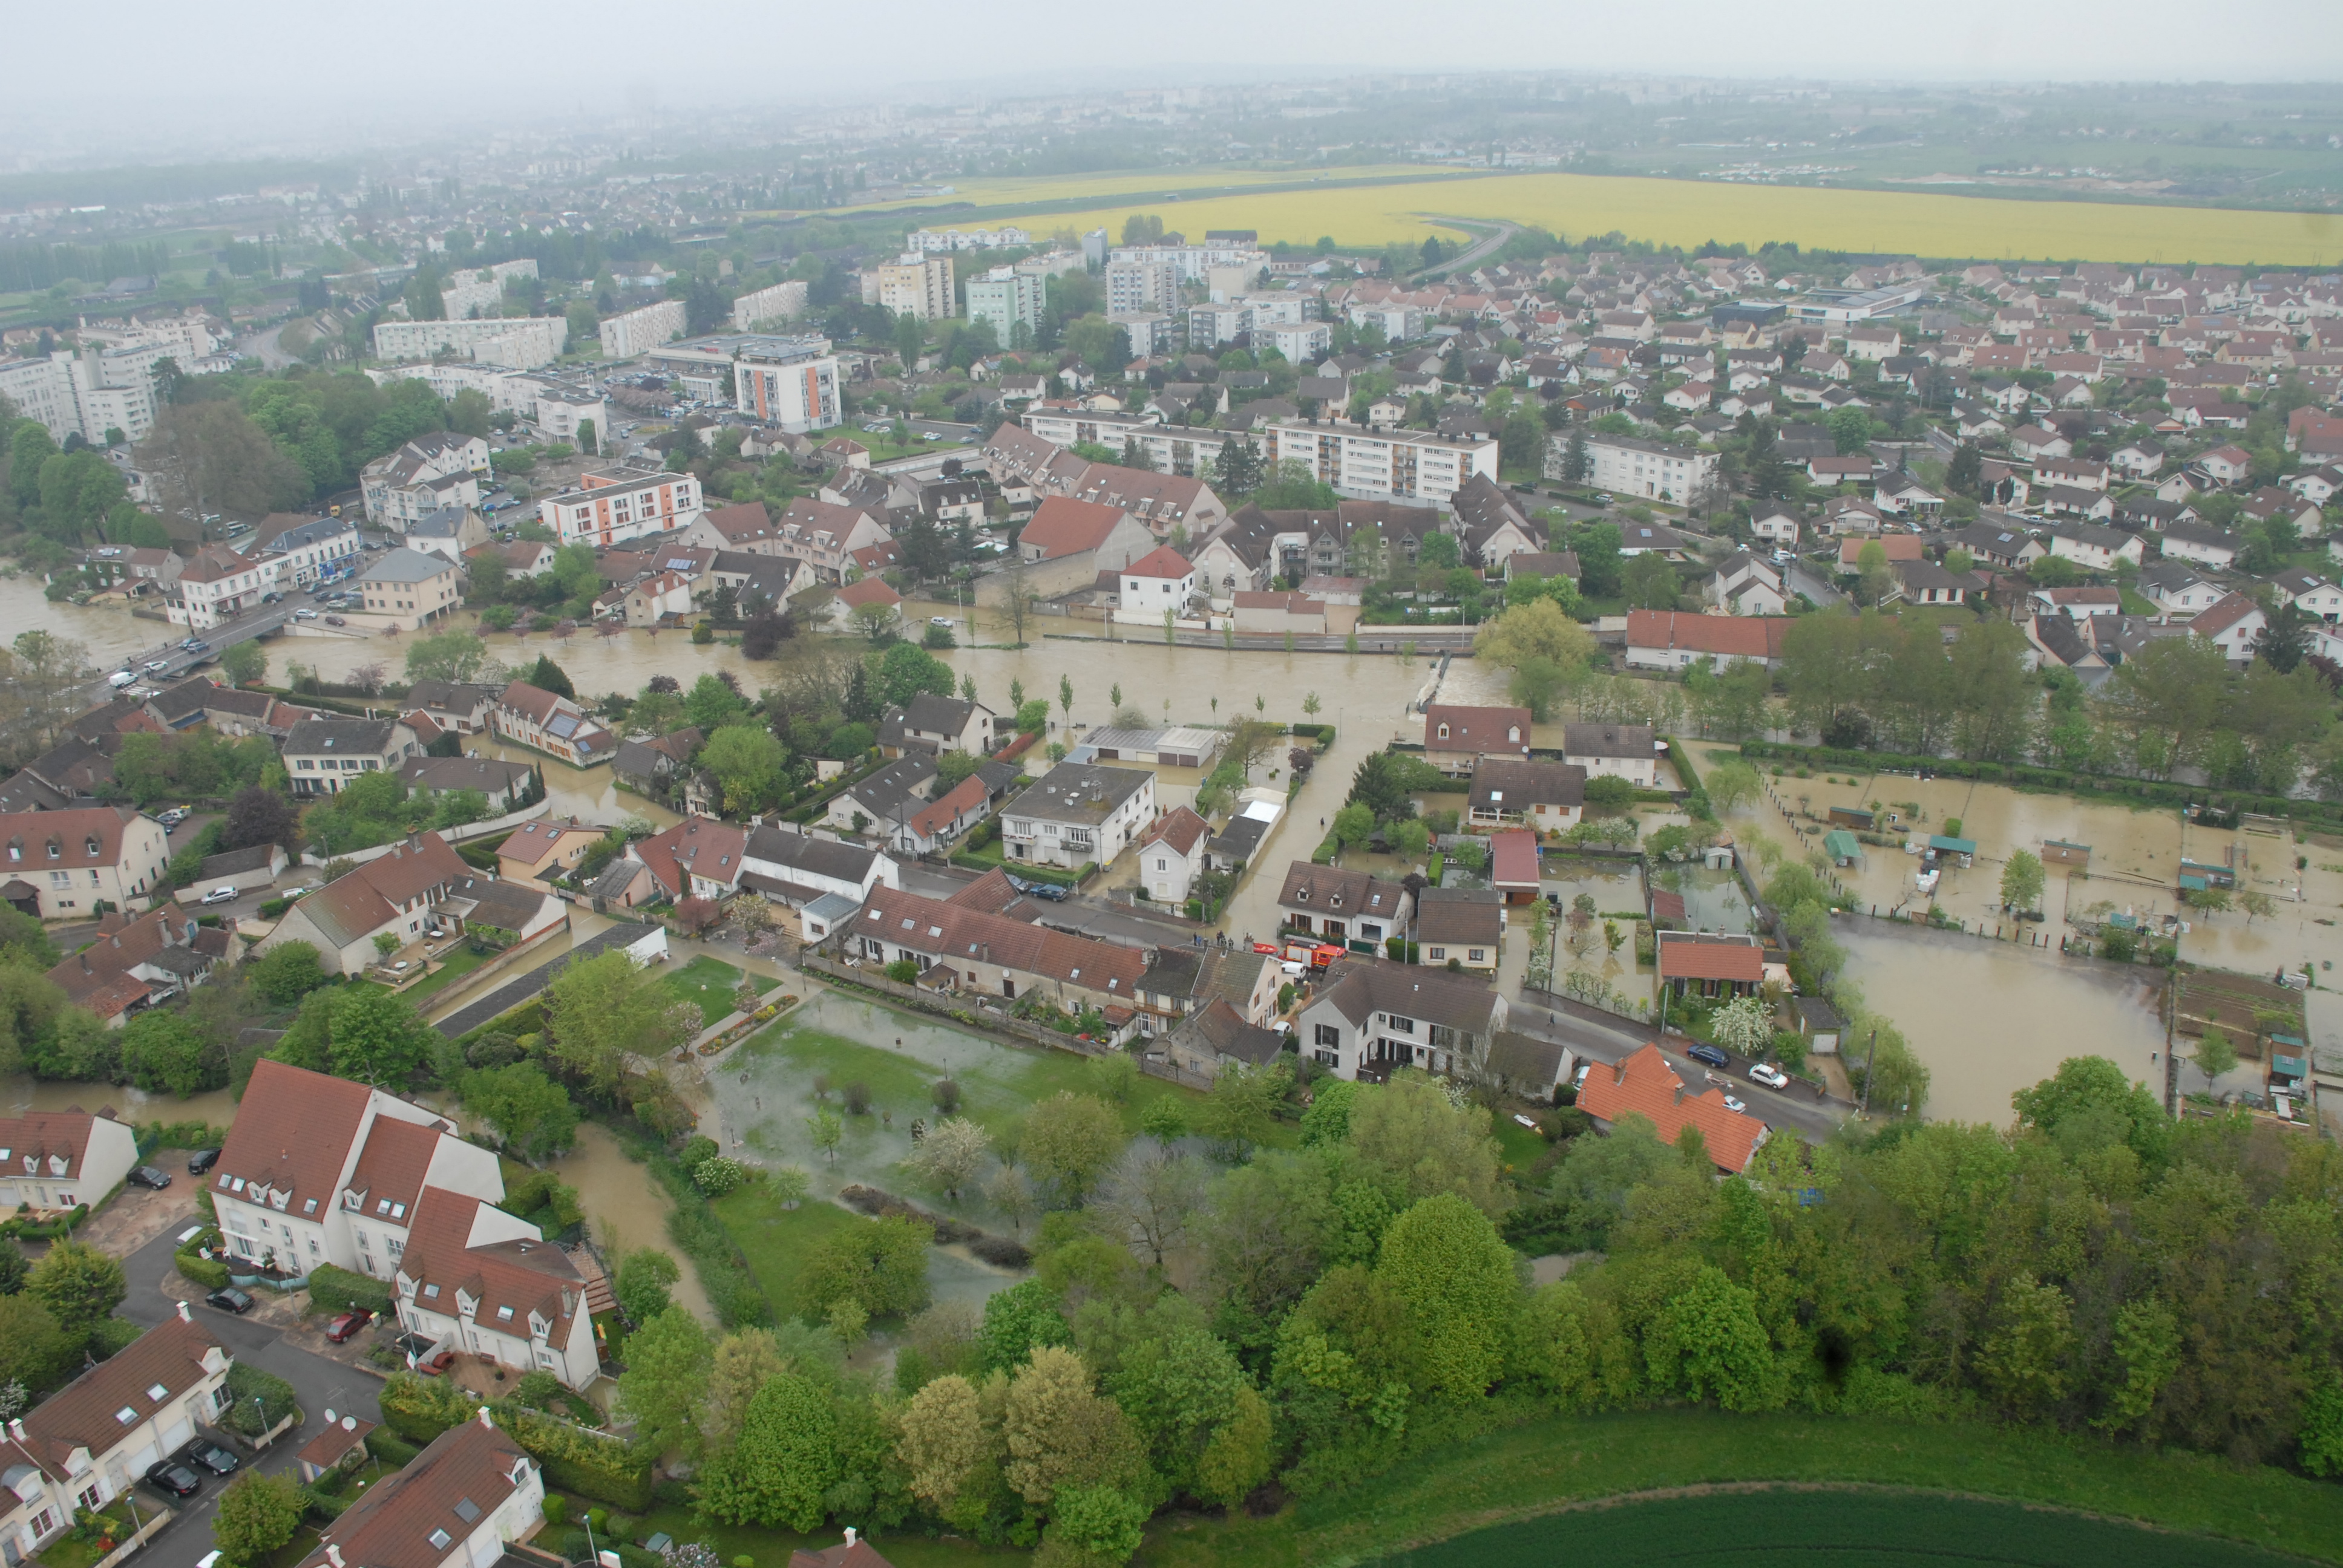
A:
(1546, 1466)
(777, 1241)
(711, 982)
(1139, 185)
(1686, 212)
(1853, 1530)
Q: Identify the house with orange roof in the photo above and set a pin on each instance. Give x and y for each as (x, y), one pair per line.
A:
(1645, 1085)
(54, 1160)
(1161, 579)
(960, 948)
(462, 1501)
(65, 864)
(934, 828)
(1672, 639)
(398, 894)
(1711, 964)
(546, 721)
(698, 857)
(1068, 542)
(135, 965)
(538, 852)
(887, 605)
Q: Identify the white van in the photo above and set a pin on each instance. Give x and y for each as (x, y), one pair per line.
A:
(122, 678)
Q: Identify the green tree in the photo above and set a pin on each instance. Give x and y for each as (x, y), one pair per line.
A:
(532, 1114)
(35, 1351)
(379, 1038)
(163, 1053)
(750, 766)
(457, 655)
(784, 1461)
(545, 674)
(1850, 430)
(2215, 1055)
(2022, 879)
(602, 1011)
(662, 1390)
(1649, 581)
(1018, 1321)
(642, 1282)
(1070, 1140)
(1711, 1344)
(880, 1266)
(1410, 1135)
(79, 1284)
(256, 1516)
(1535, 631)
(1445, 1260)
(905, 671)
(245, 663)
(285, 973)
(2027, 1354)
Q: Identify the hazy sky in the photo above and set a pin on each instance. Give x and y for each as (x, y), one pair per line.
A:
(251, 63)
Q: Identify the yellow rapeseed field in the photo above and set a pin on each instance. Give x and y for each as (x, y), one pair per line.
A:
(1686, 212)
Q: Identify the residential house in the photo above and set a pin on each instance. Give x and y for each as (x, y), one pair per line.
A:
(2234, 624)
(453, 532)
(454, 707)
(1926, 582)
(897, 790)
(1460, 926)
(310, 550)
(2309, 593)
(1744, 584)
(545, 721)
(1372, 1017)
(1456, 738)
(407, 590)
(135, 964)
(324, 754)
(256, 867)
(1331, 904)
(473, 1491)
(442, 468)
(2005, 545)
(1217, 1036)
(961, 949)
(54, 1161)
(397, 894)
(2228, 466)
(1069, 542)
(1078, 814)
(860, 604)
(215, 585)
(1629, 751)
(2201, 543)
(1776, 526)
(1710, 965)
(2173, 587)
(2077, 603)
(744, 526)
(798, 869)
(939, 724)
(1171, 855)
(652, 768)
(502, 785)
(1517, 792)
(1642, 1084)
(1670, 639)
(65, 864)
(2094, 548)
(1492, 524)
(1159, 583)
(95, 1437)
(698, 857)
(541, 852)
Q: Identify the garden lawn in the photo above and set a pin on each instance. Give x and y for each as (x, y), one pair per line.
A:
(711, 982)
(778, 1241)
(1546, 1465)
(455, 966)
(1518, 1146)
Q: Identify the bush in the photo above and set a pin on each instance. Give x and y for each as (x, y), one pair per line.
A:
(903, 971)
(336, 1290)
(109, 1337)
(390, 1448)
(576, 1460)
(718, 1176)
(260, 1400)
(209, 1272)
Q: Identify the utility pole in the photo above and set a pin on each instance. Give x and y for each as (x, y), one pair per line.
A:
(1870, 1055)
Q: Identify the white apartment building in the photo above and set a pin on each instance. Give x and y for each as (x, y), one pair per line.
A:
(1627, 466)
(1302, 343)
(1007, 237)
(1195, 262)
(1152, 335)
(620, 504)
(517, 342)
(1398, 323)
(218, 585)
(555, 406)
(1415, 466)
(916, 284)
(792, 386)
(1187, 450)
(1142, 286)
(89, 392)
(1008, 298)
(782, 302)
(304, 554)
(638, 331)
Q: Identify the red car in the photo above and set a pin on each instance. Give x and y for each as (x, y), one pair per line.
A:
(437, 1364)
(340, 1329)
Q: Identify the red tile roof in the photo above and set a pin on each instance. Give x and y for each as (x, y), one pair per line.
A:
(1894, 547)
(374, 895)
(965, 796)
(1494, 729)
(870, 590)
(526, 1275)
(388, 1176)
(1063, 527)
(1513, 859)
(1646, 1085)
(1162, 561)
(696, 846)
(390, 1526)
(292, 1132)
(953, 934)
(1738, 636)
(172, 1356)
(1181, 827)
(38, 1135)
(1687, 956)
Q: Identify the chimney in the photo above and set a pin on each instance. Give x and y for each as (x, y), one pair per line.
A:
(487, 1420)
(186, 1316)
(334, 1554)
(849, 1538)
(16, 1428)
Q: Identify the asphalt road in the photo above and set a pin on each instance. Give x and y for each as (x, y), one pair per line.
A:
(318, 1385)
(1606, 1038)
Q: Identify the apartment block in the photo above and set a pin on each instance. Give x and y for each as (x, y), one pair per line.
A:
(1137, 285)
(640, 331)
(792, 385)
(618, 504)
(1008, 299)
(1415, 466)
(782, 302)
(517, 342)
(1626, 464)
(918, 285)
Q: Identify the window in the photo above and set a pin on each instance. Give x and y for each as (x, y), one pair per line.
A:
(1401, 1025)
(1327, 1034)
(91, 1498)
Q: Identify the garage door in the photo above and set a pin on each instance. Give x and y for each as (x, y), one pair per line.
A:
(137, 1465)
(178, 1433)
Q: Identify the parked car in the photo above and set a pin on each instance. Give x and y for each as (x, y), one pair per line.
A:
(122, 678)
(1049, 892)
(340, 1329)
(1732, 1103)
(169, 1475)
(204, 1454)
(1700, 1051)
(304, 613)
(336, 620)
(201, 1160)
(228, 1299)
(1771, 1076)
(220, 896)
(939, 620)
(173, 817)
(147, 1176)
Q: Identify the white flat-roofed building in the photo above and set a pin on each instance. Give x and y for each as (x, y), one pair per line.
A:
(782, 302)
(1384, 465)
(518, 342)
(310, 550)
(619, 504)
(1626, 464)
(1137, 285)
(637, 331)
(1301, 342)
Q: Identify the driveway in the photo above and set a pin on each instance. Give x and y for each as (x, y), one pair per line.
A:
(139, 1214)
(318, 1385)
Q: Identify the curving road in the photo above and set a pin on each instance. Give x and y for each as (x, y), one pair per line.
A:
(1500, 230)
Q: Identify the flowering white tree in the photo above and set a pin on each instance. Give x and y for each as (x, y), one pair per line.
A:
(1743, 1024)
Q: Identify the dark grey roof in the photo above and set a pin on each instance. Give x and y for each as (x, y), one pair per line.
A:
(363, 737)
(1239, 839)
(450, 696)
(1459, 915)
(1609, 741)
(810, 854)
(1523, 1059)
(1077, 792)
(405, 565)
(486, 774)
(1511, 782)
(506, 905)
(1360, 987)
(1225, 1030)
(899, 781)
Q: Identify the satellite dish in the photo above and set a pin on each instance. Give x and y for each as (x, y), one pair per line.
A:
(329, 1417)
(349, 1424)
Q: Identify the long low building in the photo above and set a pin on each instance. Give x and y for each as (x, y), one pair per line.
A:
(1413, 466)
(957, 947)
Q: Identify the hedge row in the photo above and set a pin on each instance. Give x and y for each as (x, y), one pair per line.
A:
(606, 1469)
(2025, 775)
(209, 1272)
(700, 1236)
(1696, 804)
(153, 1135)
(334, 1290)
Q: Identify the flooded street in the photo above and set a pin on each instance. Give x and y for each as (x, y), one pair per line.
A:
(1989, 1019)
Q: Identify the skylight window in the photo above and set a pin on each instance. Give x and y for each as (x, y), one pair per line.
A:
(504, 1314)
(126, 1415)
(442, 1540)
(158, 1393)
